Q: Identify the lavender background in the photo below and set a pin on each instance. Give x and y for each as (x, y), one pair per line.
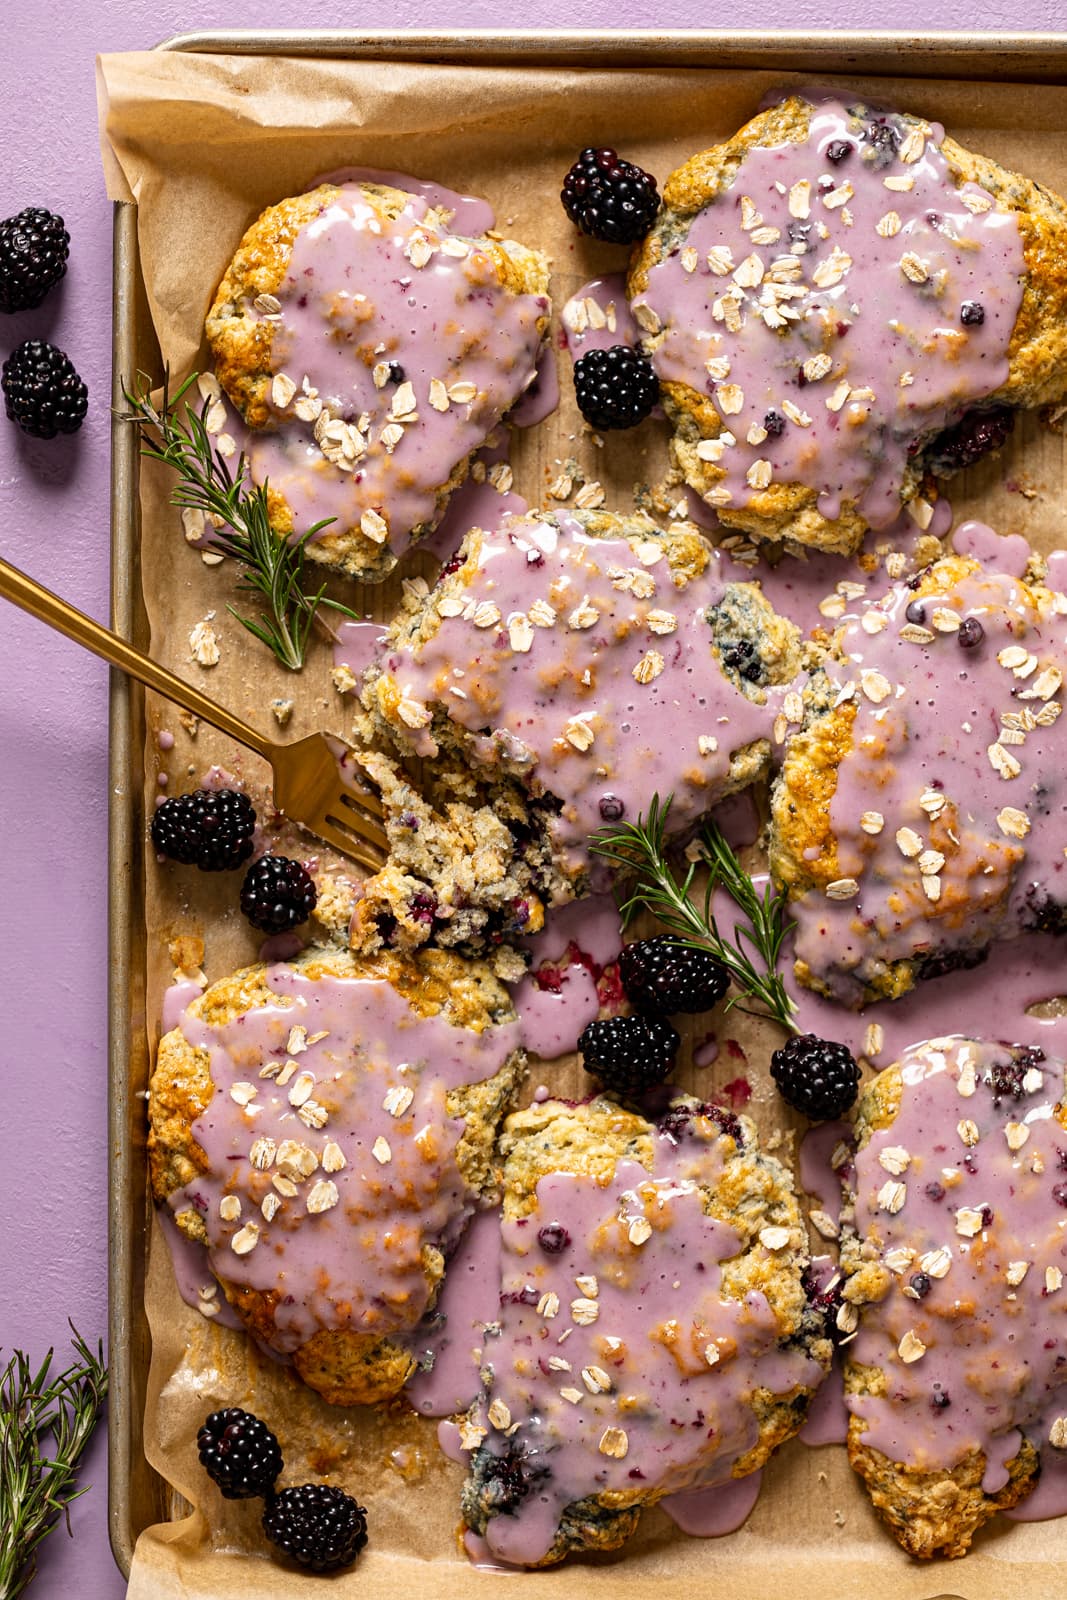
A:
(53, 698)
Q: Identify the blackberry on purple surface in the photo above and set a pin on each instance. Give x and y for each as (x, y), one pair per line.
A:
(615, 388)
(628, 1055)
(609, 198)
(661, 977)
(43, 394)
(317, 1525)
(34, 246)
(239, 1453)
(553, 1238)
(209, 829)
(817, 1077)
(277, 894)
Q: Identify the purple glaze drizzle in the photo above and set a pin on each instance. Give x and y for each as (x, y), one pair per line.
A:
(540, 657)
(331, 1152)
(602, 1359)
(831, 294)
(363, 295)
(950, 807)
(989, 1333)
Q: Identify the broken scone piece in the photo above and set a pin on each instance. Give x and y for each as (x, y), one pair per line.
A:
(654, 1333)
(590, 661)
(325, 1128)
(921, 811)
(370, 351)
(954, 1250)
(838, 298)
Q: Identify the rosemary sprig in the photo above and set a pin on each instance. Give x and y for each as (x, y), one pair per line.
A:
(273, 566)
(640, 849)
(35, 1489)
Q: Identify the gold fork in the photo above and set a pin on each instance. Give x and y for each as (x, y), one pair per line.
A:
(317, 781)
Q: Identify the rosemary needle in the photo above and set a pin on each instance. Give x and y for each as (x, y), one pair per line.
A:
(240, 516)
(640, 849)
(37, 1488)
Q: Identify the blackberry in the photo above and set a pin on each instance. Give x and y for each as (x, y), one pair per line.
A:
(661, 976)
(553, 1238)
(816, 1076)
(239, 1453)
(743, 657)
(676, 1121)
(33, 257)
(609, 198)
(212, 830)
(969, 439)
(42, 392)
(824, 1297)
(615, 388)
(320, 1526)
(277, 894)
(508, 1479)
(629, 1054)
(884, 140)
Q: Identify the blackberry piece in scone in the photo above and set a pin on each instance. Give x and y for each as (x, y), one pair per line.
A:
(654, 1331)
(592, 662)
(834, 300)
(370, 350)
(954, 1252)
(921, 811)
(325, 1128)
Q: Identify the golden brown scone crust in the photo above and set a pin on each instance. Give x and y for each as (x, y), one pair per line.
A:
(1037, 351)
(241, 347)
(754, 1192)
(347, 1368)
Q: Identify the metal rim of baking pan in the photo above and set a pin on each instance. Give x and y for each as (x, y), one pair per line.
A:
(1026, 56)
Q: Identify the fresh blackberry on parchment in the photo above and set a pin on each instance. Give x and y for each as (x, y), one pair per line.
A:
(239, 1453)
(609, 198)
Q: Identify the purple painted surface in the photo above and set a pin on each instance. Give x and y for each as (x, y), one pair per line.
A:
(53, 699)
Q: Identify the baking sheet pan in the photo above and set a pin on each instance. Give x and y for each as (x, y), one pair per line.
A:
(138, 1496)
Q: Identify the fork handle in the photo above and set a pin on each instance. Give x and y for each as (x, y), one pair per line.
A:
(48, 607)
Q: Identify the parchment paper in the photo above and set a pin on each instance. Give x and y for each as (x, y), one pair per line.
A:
(202, 143)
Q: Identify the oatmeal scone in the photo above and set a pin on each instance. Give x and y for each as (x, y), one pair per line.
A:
(325, 1128)
(370, 351)
(654, 1332)
(838, 298)
(592, 661)
(954, 1250)
(921, 811)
